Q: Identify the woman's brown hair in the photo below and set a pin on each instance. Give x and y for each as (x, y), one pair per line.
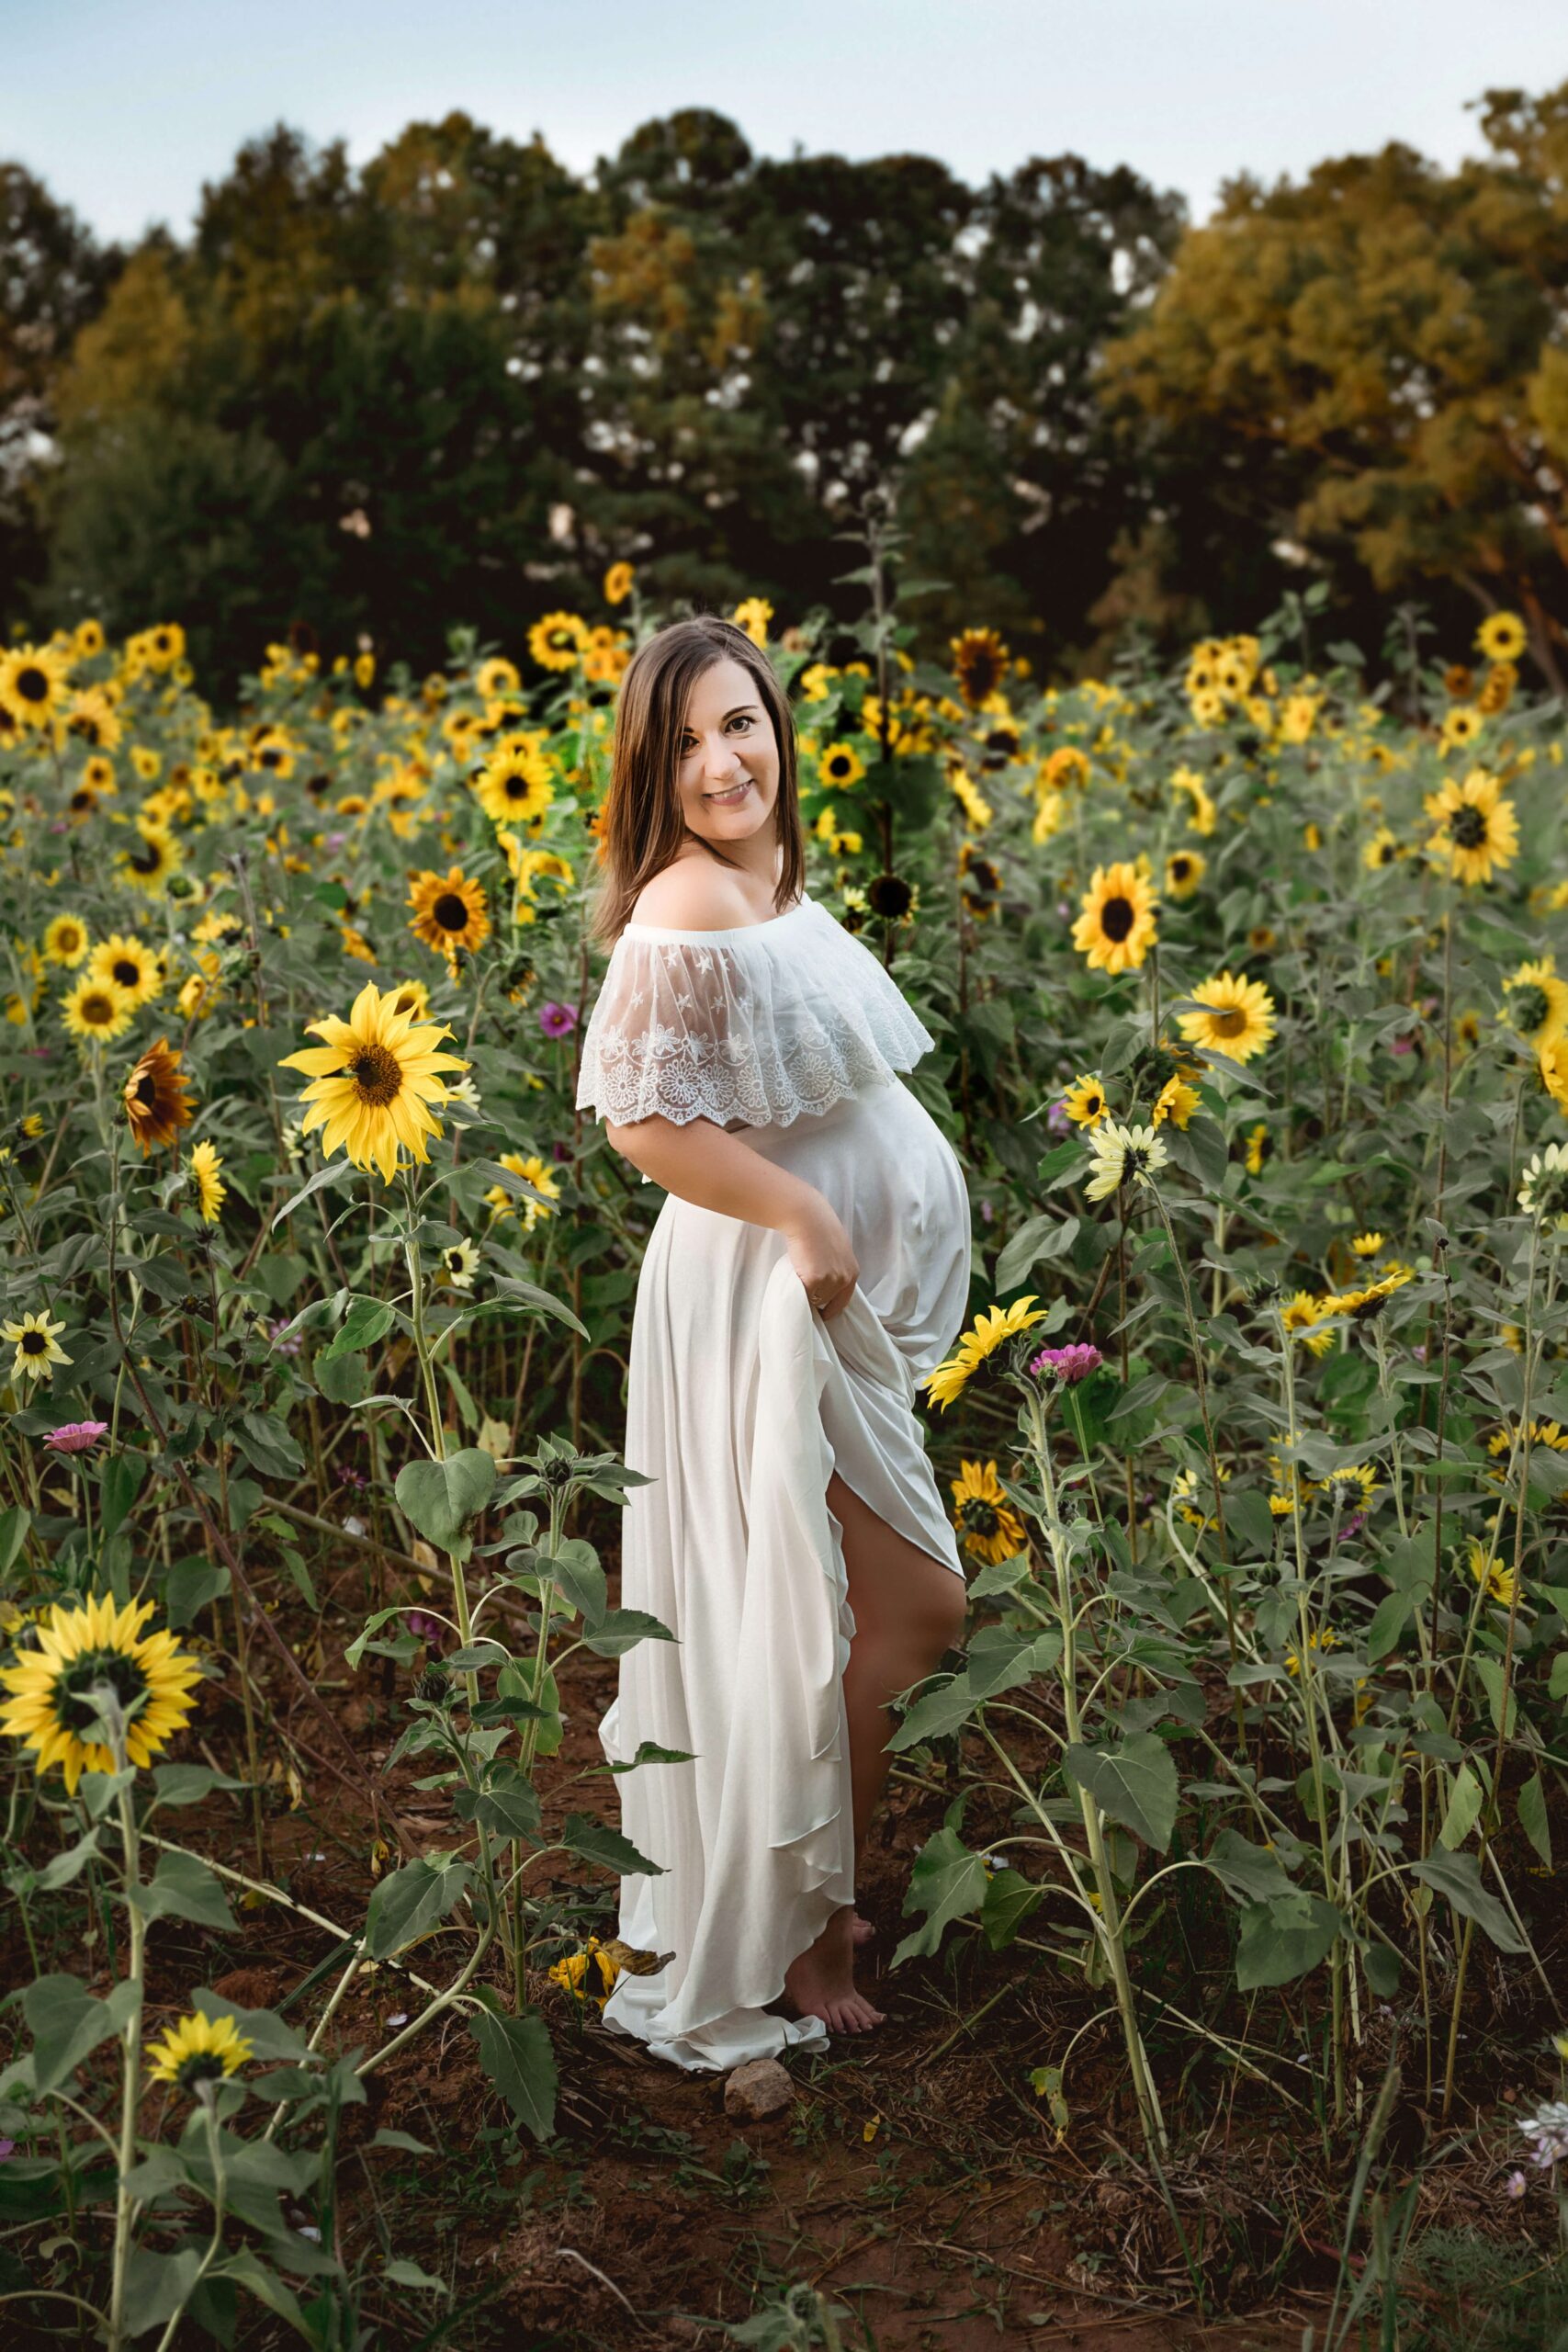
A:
(641, 827)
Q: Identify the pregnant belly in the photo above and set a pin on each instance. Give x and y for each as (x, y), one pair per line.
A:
(885, 1165)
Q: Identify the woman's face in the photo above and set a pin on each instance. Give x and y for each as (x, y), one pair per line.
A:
(728, 758)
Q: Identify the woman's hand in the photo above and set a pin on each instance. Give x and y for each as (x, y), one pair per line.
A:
(820, 1253)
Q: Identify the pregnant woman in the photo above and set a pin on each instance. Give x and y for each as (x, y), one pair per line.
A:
(809, 1264)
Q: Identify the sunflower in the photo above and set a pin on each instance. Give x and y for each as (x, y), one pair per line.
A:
(1235, 1017)
(374, 1080)
(980, 663)
(411, 996)
(99, 774)
(989, 1526)
(1349, 1489)
(1202, 815)
(990, 1328)
(1538, 1012)
(617, 584)
(1486, 1567)
(83, 1646)
(840, 766)
(1185, 1490)
(1544, 1193)
(1122, 1156)
(156, 855)
(558, 642)
(1383, 849)
(534, 1170)
(1117, 927)
(1302, 1316)
(206, 1175)
(36, 1339)
(154, 1096)
(32, 683)
(1477, 830)
(1317, 1645)
(496, 678)
(1365, 1306)
(514, 787)
(1177, 1100)
(1184, 869)
(460, 1263)
(1084, 1103)
(753, 614)
(98, 1009)
(195, 2052)
(1501, 637)
(1259, 1147)
(66, 941)
(1366, 1245)
(449, 911)
(129, 965)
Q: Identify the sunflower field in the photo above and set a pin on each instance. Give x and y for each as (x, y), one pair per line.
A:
(1227, 1851)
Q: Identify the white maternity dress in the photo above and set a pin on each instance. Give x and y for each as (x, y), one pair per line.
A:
(742, 1402)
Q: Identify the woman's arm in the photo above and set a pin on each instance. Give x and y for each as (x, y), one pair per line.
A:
(713, 1169)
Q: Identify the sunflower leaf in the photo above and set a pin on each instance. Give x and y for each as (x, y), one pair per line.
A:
(441, 1498)
(67, 2024)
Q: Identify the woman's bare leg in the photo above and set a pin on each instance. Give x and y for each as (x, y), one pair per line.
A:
(908, 1610)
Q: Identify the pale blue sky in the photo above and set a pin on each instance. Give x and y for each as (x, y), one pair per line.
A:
(124, 110)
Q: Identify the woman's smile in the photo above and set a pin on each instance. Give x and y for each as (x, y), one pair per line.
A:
(732, 794)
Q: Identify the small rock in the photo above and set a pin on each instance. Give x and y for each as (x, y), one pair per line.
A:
(760, 2087)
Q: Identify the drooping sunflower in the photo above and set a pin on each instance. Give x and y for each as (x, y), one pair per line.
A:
(197, 2049)
(1122, 1156)
(83, 1644)
(1190, 1489)
(1184, 869)
(1235, 1017)
(155, 856)
(66, 941)
(1177, 1100)
(1084, 1103)
(155, 1095)
(991, 1327)
(129, 964)
(1477, 828)
(558, 642)
(449, 911)
(1117, 927)
(32, 683)
(979, 663)
(1302, 1315)
(1259, 1147)
(514, 787)
(98, 1009)
(1488, 1570)
(1365, 1306)
(374, 1080)
(1539, 1009)
(990, 1528)
(1203, 815)
(36, 1338)
(1544, 1193)
(411, 996)
(1501, 637)
(206, 1172)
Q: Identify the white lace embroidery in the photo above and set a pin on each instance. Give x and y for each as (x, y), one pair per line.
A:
(779, 1021)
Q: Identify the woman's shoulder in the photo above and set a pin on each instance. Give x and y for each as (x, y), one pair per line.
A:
(693, 894)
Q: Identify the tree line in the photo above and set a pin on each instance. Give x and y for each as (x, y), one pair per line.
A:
(456, 384)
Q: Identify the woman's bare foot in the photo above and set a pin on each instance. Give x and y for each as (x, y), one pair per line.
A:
(861, 1930)
(821, 1981)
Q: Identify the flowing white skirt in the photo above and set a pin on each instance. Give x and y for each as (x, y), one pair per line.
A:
(742, 1402)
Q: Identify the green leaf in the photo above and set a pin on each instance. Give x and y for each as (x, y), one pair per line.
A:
(14, 1525)
(516, 2053)
(576, 1569)
(947, 1882)
(1282, 1938)
(508, 1804)
(1010, 1899)
(1390, 1618)
(410, 1901)
(1462, 1810)
(441, 1498)
(1247, 1871)
(67, 2024)
(1458, 1876)
(367, 1321)
(157, 2285)
(1531, 1801)
(119, 1482)
(188, 1586)
(188, 1783)
(400, 2272)
(622, 1629)
(183, 1888)
(63, 1870)
(597, 1842)
(1134, 1784)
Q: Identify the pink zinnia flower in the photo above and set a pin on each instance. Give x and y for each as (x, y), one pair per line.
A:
(557, 1020)
(1070, 1364)
(76, 1437)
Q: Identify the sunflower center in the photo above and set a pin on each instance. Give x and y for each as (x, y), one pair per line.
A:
(147, 1092)
(451, 911)
(148, 859)
(516, 787)
(1468, 827)
(124, 1675)
(1116, 918)
(1134, 1161)
(32, 684)
(1230, 1022)
(98, 1010)
(1180, 867)
(378, 1075)
(126, 973)
(33, 1343)
(979, 1517)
